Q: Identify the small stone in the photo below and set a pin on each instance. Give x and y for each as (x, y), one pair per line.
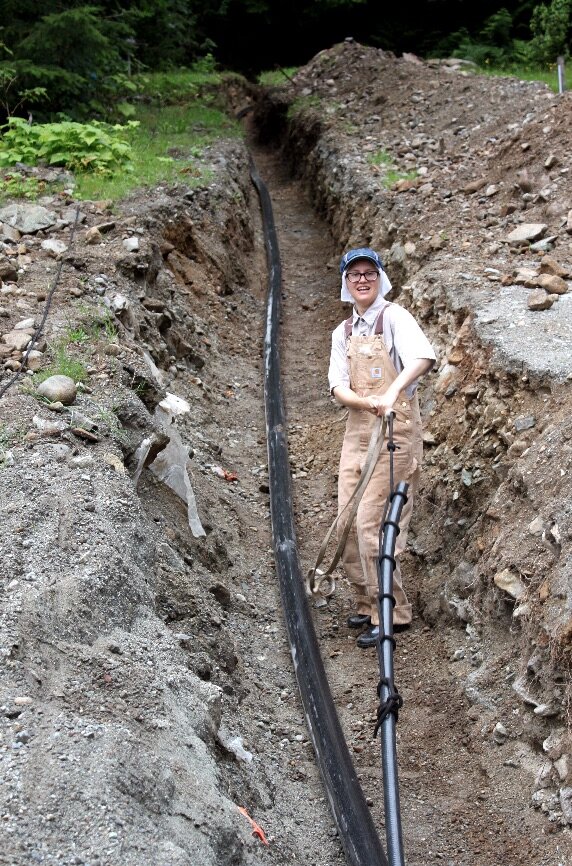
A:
(500, 734)
(540, 300)
(551, 266)
(93, 236)
(62, 388)
(526, 232)
(35, 360)
(536, 527)
(17, 339)
(510, 582)
(524, 422)
(550, 162)
(553, 284)
(54, 247)
(131, 244)
(474, 186)
(8, 271)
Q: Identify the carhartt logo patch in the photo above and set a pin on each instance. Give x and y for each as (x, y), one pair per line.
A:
(376, 372)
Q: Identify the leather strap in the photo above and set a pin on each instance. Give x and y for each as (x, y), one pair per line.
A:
(316, 577)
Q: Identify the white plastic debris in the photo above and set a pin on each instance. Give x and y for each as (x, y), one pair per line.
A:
(170, 467)
(175, 405)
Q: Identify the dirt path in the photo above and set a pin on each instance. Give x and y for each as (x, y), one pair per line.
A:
(464, 801)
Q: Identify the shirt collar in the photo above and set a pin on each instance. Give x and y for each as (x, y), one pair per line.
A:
(372, 312)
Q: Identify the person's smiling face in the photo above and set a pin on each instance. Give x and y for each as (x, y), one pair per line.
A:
(364, 291)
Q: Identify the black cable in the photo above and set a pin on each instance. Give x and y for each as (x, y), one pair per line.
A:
(47, 306)
(347, 802)
(390, 701)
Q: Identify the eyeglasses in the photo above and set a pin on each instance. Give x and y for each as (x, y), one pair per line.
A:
(355, 276)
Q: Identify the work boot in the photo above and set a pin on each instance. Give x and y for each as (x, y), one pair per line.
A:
(357, 620)
(369, 637)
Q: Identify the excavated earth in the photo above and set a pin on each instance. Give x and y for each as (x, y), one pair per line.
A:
(146, 685)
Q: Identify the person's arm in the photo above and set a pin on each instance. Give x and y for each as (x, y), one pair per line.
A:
(383, 404)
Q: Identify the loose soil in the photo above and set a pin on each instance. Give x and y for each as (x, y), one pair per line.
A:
(134, 654)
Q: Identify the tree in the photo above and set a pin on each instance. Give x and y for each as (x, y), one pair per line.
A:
(550, 26)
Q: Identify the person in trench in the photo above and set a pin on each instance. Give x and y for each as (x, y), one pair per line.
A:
(377, 358)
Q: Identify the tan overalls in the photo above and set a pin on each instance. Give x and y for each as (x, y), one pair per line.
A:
(371, 372)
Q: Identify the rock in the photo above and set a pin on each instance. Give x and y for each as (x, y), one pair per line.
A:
(455, 355)
(544, 245)
(62, 388)
(25, 324)
(536, 527)
(131, 244)
(8, 271)
(54, 247)
(474, 186)
(491, 190)
(500, 734)
(8, 233)
(551, 266)
(525, 233)
(550, 162)
(553, 284)
(540, 300)
(510, 582)
(17, 339)
(569, 222)
(93, 236)
(27, 218)
(555, 744)
(524, 422)
(448, 376)
(35, 360)
(566, 803)
(103, 228)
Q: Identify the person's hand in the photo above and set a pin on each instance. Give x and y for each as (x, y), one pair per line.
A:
(380, 404)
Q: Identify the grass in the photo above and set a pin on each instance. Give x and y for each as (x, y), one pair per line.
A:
(392, 177)
(180, 114)
(303, 103)
(167, 147)
(275, 77)
(380, 157)
(15, 185)
(63, 364)
(548, 76)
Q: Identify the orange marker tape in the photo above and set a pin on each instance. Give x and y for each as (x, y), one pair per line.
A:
(256, 829)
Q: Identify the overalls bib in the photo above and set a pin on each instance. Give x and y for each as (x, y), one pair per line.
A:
(371, 372)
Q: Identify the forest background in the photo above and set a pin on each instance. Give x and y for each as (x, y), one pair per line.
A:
(81, 84)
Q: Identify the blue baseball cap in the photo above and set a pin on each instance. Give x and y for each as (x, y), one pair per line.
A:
(360, 253)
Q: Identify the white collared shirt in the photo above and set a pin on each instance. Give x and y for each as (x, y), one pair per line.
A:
(403, 338)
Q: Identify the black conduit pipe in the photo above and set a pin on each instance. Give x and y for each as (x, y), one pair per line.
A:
(352, 816)
(389, 698)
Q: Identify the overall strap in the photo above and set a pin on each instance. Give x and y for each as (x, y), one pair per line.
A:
(348, 324)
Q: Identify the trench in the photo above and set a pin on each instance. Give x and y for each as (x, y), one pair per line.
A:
(458, 804)
(445, 812)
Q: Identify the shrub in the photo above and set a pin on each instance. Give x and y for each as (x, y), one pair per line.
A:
(92, 146)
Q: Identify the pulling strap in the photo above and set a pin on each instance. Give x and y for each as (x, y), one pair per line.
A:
(317, 577)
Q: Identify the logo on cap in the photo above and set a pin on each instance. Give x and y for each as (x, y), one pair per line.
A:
(360, 253)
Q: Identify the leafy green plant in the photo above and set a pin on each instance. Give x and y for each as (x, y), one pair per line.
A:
(92, 146)
(16, 185)
(167, 147)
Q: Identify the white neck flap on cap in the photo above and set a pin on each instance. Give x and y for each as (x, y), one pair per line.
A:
(384, 287)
